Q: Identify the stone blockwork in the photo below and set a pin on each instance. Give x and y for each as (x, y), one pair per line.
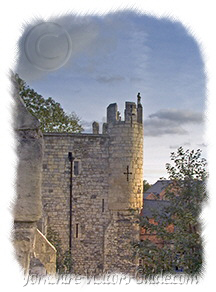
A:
(45, 252)
(89, 192)
(106, 181)
(28, 205)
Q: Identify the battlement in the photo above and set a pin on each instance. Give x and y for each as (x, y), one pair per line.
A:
(132, 112)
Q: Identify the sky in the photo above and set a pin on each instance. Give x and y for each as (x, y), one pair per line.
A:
(88, 62)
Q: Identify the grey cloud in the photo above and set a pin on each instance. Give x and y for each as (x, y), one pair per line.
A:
(136, 79)
(177, 146)
(180, 116)
(174, 146)
(170, 121)
(109, 79)
(187, 144)
(202, 145)
(94, 41)
(159, 127)
(82, 32)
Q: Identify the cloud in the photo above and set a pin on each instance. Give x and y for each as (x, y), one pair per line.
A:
(157, 127)
(136, 79)
(109, 79)
(82, 32)
(113, 43)
(170, 121)
(202, 145)
(177, 146)
(180, 116)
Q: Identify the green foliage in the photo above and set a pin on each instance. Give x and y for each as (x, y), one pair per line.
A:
(64, 264)
(146, 186)
(50, 113)
(180, 250)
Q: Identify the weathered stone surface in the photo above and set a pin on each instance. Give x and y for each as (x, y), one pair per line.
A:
(102, 226)
(95, 128)
(89, 189)
(23, 238)
(45, 252)
(30, 155)
(36, 267)
(28, 205)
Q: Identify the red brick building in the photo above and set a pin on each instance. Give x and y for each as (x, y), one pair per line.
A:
(154, 201)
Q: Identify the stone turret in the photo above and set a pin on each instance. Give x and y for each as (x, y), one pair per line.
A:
(125, 156)
(125, 184)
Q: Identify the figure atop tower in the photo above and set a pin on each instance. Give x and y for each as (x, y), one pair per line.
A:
(139, 109)
(138, 98)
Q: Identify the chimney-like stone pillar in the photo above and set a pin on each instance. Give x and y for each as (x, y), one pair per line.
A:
(28, 205)
(95, 128)
(112, 113)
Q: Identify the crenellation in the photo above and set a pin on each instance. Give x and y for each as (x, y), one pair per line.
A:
(95, 128)
(130, 112)
(112, 113)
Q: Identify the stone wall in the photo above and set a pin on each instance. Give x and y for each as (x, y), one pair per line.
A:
(29, 140)
(28, 205)
(45, 252)
(106, 182)
(27, 208)
(89, 191)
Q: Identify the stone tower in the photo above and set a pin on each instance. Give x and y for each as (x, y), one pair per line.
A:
(107, 181)
(125, 184)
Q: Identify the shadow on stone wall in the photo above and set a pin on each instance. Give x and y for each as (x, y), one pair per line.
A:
(30, 245)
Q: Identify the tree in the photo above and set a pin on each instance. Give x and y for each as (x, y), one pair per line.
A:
(146, 185)
(180, 247)
(50, 114)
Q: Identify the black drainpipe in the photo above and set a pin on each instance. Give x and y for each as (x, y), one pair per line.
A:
(71, 159)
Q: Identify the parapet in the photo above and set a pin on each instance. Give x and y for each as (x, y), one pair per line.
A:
(112, 111)
(133, 113)
(130, 112)
(95, 128)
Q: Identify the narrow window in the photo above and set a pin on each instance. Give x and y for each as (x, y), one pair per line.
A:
(76, 167)
(77, 230)
(102, 205)
(140, 262)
